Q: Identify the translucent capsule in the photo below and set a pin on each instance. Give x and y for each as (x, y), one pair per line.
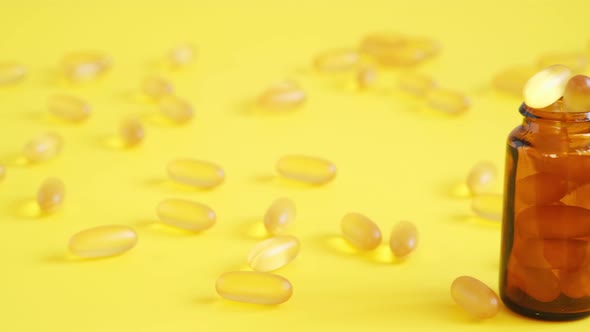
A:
(51, 195)
(254, 287)
(103, 241)
(360, 231)
(336, 60)
(411, 52)
(539, 222)
(475, 297)
(306, 169)
(186, 214)
(481, 177)
(404, 239)
(366, 77)
(69, 108)
(512, 80)
(282, 96)
(176, 109)
(415, 83)
(541, 188)
(87, 65)
(576, 61)
(274, 253)
(546, 86)
(11, 72)
(488, 206)
(448, 101)
(181, 55)
(2, 172)
(197, 173)
(376, 42)
(43, 147)
(279, 216)
(156, 87)
(576, 97)
(131, 132)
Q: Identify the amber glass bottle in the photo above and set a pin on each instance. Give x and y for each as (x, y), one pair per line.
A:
(545, 256)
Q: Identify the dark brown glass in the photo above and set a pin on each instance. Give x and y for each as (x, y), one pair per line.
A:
(545, 255)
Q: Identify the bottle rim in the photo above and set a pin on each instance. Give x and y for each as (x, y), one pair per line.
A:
(558, 115)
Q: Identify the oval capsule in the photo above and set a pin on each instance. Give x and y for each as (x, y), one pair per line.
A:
(448, 101)
(366, 77)
(254, 287)
(176, 109)
(181, 55)
(43, 147)
(2, 172)
(156, 87)
(376, 42)
(51, 194)
(336, 60)
(283, 95)
(415, 83)
(306, 169)
(546, 86)
(274, 253)
(576, 97)
(197, 173)
(131, 132)
(475, 297)
(404, 239)
(481, 177)
(85, 65)
(279, 216)
(186, 214)
(69, 108)
(103, 241)
(360, 231)
(11, 72)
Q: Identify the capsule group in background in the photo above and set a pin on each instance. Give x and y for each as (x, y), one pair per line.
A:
(274, 253)
(284, 95)
(546, 86)
(196, 173)
(360, 231)
(85, 65)
(307, 169)
(185, 214)
(475, 297)
(69, 108)
(11, 72)
(131, 132)
(279, 216)
(254, 287)
(43, 147)
(404, 239)
(176, 109)
(51, 195)
(103, 241)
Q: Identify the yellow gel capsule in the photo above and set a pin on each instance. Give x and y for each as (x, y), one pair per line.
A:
(306, 169)
(254, 287)
(360, 231)
(131, 132)
(86, 65)
(546, 86)
(414, 83)
(284, 95)
(488, 206)
(11, 72)
(156, 87)
(576, 61)
(186, 214)
(366, 77)
(197, 173)
(576, 97)
(43, 147)
(2, 172)
(481, 177)
(475, 297)
(376, 42)
(512, 80)
(274, 253)
(411, 52)
(279, 216)
(103, 241)
(181, 55)
(448, 101)
(336, 60)
(69, 108)
(176, 109)
(404, 239)
(51, 195)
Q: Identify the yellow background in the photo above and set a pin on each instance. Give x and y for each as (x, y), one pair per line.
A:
(396, 160)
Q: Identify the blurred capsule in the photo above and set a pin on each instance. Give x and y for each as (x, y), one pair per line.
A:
(50, 195)
(103, 241)
(156, 87)
(404, 239)
(415, 83)
(576, 61)
(512, 80)
(197, 173)
(475, 297)
(43, 147)
(306, 169)
(80, 66)
(360, 231)
(409, 53)
(274, 253)
(176, 109)
(181, 55)
(131, 132)
(2, 172)
(185, 214)
(282, 96)
(11, 72)
(336, 60)
(481, 177)
(69, 108)
(576, 97)
(279, 216)
(488, 206)
(546, 86)
(448, 101)
(366, 77)
(377, 42)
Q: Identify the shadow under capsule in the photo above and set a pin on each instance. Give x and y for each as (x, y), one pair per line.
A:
(253, 228)
(455, 189)
(171, 185)
(285, 182)
(27, 208)
(156, 227)
(339, 245)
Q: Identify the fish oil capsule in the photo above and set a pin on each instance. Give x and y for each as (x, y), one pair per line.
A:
(156, 87)
(546, 86)
(448, 101)
(366, 77)
(43, 147)
(488, 206)
(131, 132)
(197, 173)
(539, 222)
(541, 188)
(284, 95)
(11, 72)
(69, 108)
(336, 60)
(186, 214)
(414, 83)
(103, 241)
(176, 109)
(279, 216)
(360, 231)
(50, 195)
(576, 97)
(274, 253)
(254, 287)
(2, 172)
(512, 80)
(377, 42)
(411, 52)
(86, 65)
(575, 61)
(475, 297)
(181, 55)
(306, 169)
(480, 178)
(404, 239)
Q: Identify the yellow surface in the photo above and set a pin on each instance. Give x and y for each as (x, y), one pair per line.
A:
(397, 160)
